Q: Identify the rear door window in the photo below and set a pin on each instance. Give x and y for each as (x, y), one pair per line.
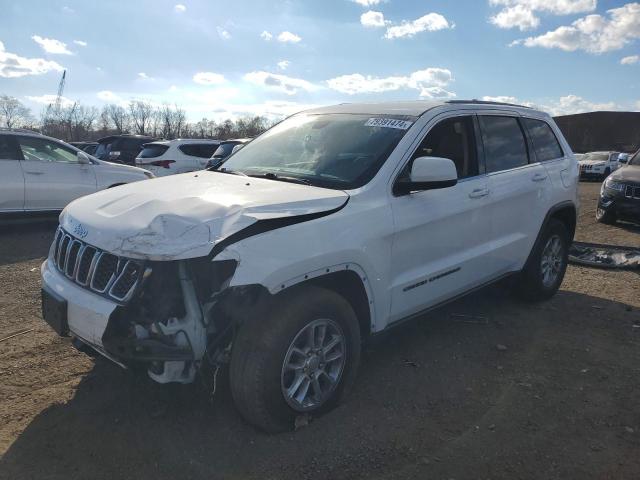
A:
(202, 150)
(153, 150)
(504, 142)
(545, 142)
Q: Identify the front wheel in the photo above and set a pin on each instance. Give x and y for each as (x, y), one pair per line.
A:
(544, 272)
(301, 359)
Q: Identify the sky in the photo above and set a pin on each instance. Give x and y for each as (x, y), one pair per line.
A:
(225, 59)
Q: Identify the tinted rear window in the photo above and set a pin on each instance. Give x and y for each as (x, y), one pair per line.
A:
(504, 143)
(202, 150)
(545, 142)
(153, 150)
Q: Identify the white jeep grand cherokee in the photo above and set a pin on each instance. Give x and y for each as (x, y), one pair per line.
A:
(334, 225)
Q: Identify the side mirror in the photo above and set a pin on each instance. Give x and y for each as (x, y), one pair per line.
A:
(237, 147)
(428, 173)
(83, 158)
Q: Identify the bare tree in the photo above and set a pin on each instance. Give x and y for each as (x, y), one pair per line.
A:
(141, 115)
(119, 117)
(13, 113)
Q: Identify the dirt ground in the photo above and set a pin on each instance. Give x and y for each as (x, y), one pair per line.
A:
(560, 397)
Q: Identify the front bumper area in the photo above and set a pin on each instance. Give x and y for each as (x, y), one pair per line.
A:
(87, 313)
(624, 208)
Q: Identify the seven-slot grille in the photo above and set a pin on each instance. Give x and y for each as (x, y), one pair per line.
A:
(109, 275)
(632, 191)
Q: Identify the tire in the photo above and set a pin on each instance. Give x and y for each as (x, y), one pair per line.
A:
(605, 216)
(258, 377)
(533, 284)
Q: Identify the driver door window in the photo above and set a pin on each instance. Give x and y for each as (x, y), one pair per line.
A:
(46, 151)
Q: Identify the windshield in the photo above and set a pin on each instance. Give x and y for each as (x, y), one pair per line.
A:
(341, 151)
(102, 150)
(224, 150)
(601, 157)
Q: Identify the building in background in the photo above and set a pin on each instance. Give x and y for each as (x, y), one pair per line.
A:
(601, 131)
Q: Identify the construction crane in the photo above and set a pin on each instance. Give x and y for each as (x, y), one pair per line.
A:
(53, 109)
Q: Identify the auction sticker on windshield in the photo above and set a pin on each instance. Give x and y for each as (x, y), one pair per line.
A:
(388, 123)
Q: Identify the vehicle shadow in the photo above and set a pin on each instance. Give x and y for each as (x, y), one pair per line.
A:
(26, 238)
(486, 384)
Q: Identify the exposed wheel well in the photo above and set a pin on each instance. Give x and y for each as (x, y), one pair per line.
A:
(566, 215)
(348, 284)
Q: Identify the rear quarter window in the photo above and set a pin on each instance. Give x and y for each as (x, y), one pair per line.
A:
(545, 143)
(202, 150)
(153, 150)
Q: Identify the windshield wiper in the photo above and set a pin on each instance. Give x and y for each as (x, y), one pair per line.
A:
(280, 178)
(230, 172)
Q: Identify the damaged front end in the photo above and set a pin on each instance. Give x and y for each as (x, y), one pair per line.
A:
(178, 318)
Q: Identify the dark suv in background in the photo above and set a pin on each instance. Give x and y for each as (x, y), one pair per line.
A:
(620, 194)
(224, 150)
(121, 148)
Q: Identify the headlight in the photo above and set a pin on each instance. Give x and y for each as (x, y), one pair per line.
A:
(613, 185)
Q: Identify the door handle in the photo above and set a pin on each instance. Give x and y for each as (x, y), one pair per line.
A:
(34, 173)
(479, 192)
(539, 177)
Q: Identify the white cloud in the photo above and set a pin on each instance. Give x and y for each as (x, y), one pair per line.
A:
(593, 33)
(266, 35)
(144, 76)
(173, 88)
(81, 43)
(521, 13)
(372, 19)
(50, 99)
(430, 22)
(508, 99)
(283, 64)
(51, 45)
(630, 60)
(571, 104)
(430, 82)
(280, 83)
(516, 16)
(208, 78)
(179, 8)
(67, 9)
(13, 66)
(288, 37)
(224, 34)
(367, 3)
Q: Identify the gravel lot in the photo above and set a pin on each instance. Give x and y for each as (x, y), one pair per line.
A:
(486, 387)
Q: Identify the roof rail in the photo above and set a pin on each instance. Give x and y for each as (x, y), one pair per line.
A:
(20, 130)
(485, 102)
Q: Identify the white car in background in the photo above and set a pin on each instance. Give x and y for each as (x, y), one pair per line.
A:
(168, 157)
(41, 174)
(598, 164)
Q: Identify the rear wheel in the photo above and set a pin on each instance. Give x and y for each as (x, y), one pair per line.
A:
(302, 358)
(544, 272)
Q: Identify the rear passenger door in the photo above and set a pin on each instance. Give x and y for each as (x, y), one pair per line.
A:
(520, 189)
(11, 176)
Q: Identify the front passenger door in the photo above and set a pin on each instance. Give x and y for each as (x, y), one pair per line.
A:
(441, 236)
(53, 176)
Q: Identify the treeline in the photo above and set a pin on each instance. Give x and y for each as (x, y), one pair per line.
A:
(77, 122)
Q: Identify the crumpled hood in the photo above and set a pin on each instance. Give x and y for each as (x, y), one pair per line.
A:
(183, 216)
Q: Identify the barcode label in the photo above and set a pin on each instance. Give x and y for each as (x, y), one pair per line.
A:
(388, 123)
